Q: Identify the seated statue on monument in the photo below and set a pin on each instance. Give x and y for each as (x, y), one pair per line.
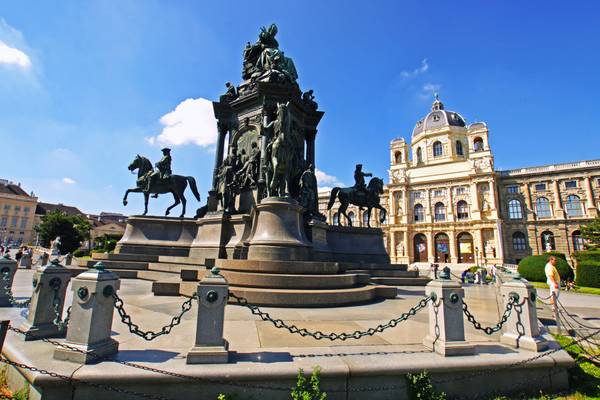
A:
(360, 195)
(161, 180)
(265, 61)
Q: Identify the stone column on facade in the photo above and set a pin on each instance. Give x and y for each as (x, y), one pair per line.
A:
(589, 194)
(527, 195)
(475, 212)
(499, 242)
(405, 244)
(452, 244)
(450, 206)
(430, 252)
(481, 244)
(428, 213)
(393, 253)
(558, 210)
(493, 200)
(405, 201)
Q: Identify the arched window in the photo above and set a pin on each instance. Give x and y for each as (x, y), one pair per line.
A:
(398, 157)
(419, 155)
(478, 144)
(365, 218)
(462, 210)
(336, 219)
(573, 206)
(578, 241)
(419, 213)
(548, 243)
(438, 149)
(542, 208)
(519, 241)
(515, 211)
(459, 148)
(351, 217)
(440, 212)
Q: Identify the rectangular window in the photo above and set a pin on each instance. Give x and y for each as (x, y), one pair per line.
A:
(13, 221)
(570, 184)
(461, 190)
(3, 221)
(26, 210)
(512, 189)
(439, 193)
(24, 221)
(540, 187)
(417, 195)
(6, 208)
(17, 209)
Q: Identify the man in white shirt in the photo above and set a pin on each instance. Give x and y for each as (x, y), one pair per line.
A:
(552, 279)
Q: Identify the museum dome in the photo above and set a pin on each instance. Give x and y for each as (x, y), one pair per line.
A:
(438, 118)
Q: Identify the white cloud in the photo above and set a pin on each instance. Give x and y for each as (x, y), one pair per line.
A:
(326, 181)
(429, 89)
(13, 56)
(68, 181)
(192, 122)
(417, 71)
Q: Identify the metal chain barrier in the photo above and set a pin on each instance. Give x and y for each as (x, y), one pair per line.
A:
(318, 335)
(61, 324)
(11, 297)
(150, 335)
(488, 330)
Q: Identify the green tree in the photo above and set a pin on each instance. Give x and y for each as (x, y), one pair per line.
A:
(591, 232)
(72, 229)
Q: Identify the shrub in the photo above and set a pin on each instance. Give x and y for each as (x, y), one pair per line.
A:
(308, 389)
(555, 253)
(588, 255)
(420, 387)
(532, 268)
(81, 253)
(588, 274)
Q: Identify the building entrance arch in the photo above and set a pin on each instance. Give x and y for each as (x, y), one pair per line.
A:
(465, 249)
(442, 248)
(420, 248)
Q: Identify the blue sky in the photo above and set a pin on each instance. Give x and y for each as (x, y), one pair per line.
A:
(86, 85)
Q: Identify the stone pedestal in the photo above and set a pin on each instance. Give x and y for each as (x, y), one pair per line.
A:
(8, 268)
(445, 312)
(211, 236)
(278, 233)
(241, 228)
(49, 283)
(318, 238)
(163, 236)
(522, 329)
(91, 317)
(25, 261)
(357, 245)
(246, 201)
(210, 347)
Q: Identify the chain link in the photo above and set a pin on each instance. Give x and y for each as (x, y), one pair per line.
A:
(318, 335)
(150, 335)
(11, 297)
(488, 330)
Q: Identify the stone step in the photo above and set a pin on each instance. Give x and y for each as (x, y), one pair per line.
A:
(124, 257)
(291, 281)
(302, 297)
(182, 260)
(174, 268)
(279, 267)
(121, 273)
(115, 265)
(158, 276)
(394, 267)
(386, 273)
(165, 288)
(391, 281)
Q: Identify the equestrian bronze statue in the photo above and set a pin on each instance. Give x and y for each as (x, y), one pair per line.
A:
(360, 195)
(160, 181)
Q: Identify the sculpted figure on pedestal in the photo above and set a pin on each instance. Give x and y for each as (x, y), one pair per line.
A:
(264, 60)
(280, 153)
(309, 195)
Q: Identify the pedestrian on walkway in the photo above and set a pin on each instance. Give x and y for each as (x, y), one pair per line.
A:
(553, 280)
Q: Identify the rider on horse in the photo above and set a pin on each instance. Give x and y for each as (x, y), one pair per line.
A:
(359, 179)
(162, 172)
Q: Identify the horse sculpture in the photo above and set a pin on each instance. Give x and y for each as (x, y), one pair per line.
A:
(175, 185)
(358, 197)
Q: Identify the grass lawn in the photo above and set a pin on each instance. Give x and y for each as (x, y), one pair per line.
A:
(576, 289)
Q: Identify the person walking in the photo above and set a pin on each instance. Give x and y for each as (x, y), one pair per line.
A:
(553, 280)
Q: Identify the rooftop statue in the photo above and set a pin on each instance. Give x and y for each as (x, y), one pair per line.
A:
(157, 181)
(264, 60)
(360, 195)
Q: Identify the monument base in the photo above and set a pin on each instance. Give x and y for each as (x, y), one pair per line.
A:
(36, 332)
(524, 342)
(449, 349)
(88, 354)
(209, 354)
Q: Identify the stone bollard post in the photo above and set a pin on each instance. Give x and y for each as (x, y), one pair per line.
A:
(49, 289)
(446, 324)
(211, 347)
(25, 261)
(45, 258)
(68, 259)
(8, 266)
(522, 329)
(91, 317)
